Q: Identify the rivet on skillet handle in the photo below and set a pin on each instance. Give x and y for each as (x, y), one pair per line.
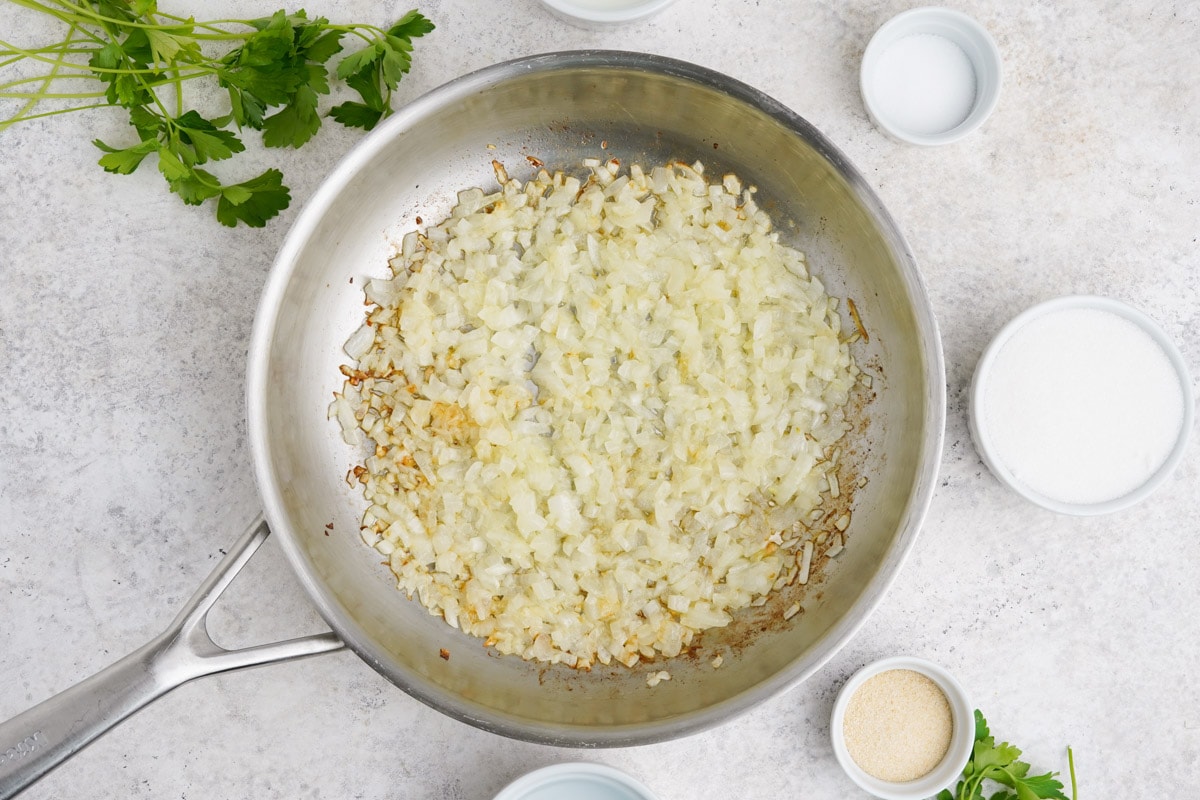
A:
(38, 740)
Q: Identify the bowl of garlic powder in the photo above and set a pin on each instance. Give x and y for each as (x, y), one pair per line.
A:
(902, 728)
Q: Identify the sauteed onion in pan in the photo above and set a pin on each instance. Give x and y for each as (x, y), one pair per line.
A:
(600, 411)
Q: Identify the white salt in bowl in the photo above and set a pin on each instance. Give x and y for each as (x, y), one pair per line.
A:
(1081, 405)
(930, 76)
(962, 737)
(604, 14)
(577, 781)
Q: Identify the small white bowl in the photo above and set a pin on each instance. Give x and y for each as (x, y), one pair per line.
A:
(930, 76)
(603, 14)
(962, 739)
(993, 452)
(576, 780)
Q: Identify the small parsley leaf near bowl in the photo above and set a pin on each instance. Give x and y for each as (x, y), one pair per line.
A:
(1000, 764)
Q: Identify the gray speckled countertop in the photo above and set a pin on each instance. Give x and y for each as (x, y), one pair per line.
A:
(124, 467)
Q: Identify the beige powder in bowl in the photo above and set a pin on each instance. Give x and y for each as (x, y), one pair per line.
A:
(898, 725)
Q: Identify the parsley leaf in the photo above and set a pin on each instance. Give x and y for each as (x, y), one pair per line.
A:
(356, 115)
(411, 26)
(166, 44)
(123, 162)
(254, 201)
(275, 71)
(245, 108)
(196, 187)
(171, 165)
(361, 61)
(146, 122)
(367, 85)
(296, 123)
(1000, 764)
(202, 141)
(375, 72)
(328, 45)
(1042, 786)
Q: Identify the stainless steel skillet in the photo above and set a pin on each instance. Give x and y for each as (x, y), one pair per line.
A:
(557, 109)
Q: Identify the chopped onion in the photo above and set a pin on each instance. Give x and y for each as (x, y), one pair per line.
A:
(596, 410)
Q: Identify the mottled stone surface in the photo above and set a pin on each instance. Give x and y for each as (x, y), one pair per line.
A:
(124, 466)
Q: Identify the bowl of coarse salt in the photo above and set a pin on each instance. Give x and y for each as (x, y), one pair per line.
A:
(930, 76)
(604, 14)
(579, 780)
(1082, 405)
(902, 728)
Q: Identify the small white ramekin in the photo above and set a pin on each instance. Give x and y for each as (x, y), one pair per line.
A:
(602, 14)
(976, 43)
(576, 780)
(983, 439)
(961, 742)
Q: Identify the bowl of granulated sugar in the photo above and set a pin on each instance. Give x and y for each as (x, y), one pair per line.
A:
(1082, 405)
(902, 728)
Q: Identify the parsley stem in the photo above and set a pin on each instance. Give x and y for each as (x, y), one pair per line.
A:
(36, 78)
(1071, 768)
(70, 19)
(214, 25)
(8, 123)
(976, 787)
(106, 24)
(33, 5)
(157, 101)
(375, 33)
(36, 55)
(222, 36)
(79, 10)
(54, 48)
(49, 48)
(198, 176)
(363, 36)
(4, 87)
(35, 97)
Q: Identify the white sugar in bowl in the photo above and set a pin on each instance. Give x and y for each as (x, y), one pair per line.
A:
(1082, 405)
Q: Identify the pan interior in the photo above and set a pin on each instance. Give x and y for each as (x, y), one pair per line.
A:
(560, 109)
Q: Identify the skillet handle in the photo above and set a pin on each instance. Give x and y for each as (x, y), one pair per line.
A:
(38, 740)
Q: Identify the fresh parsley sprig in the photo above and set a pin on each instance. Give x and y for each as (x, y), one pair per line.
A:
(275, 71)
(999, 763)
